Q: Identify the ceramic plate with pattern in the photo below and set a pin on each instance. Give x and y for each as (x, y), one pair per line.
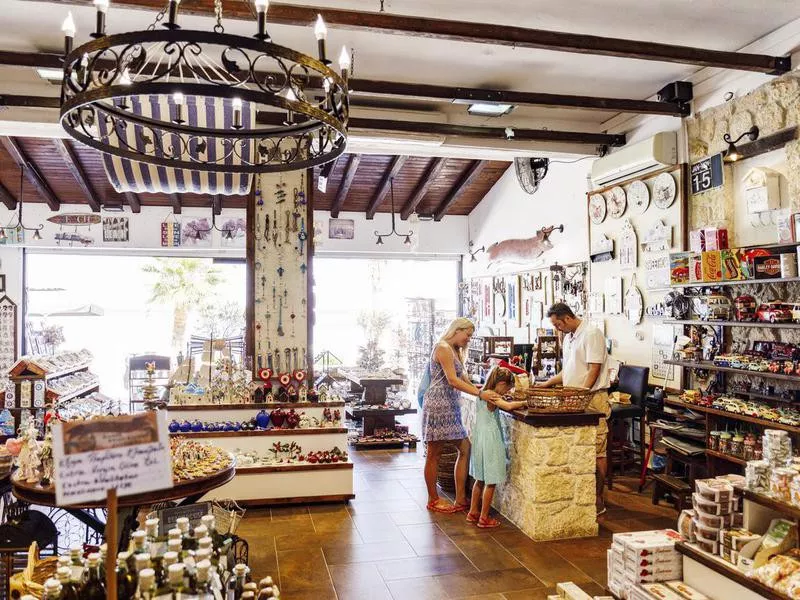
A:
(639, 196)
(664, 190)
(617, 202)
(597, 208)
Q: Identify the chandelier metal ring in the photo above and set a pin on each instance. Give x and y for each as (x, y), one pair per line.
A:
(105, 77)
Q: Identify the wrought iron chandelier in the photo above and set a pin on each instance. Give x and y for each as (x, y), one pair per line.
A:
(20, 227)
(380, 236)
(189, 99)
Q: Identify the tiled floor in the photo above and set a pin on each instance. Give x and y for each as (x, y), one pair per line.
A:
(385, 545)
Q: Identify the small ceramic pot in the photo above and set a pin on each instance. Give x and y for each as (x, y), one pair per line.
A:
(174, 426)
(262, 419)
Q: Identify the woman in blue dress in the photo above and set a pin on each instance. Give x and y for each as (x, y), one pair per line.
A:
(441, 412)
(488, 465)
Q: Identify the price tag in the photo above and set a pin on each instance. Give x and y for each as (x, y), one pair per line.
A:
(707, 174)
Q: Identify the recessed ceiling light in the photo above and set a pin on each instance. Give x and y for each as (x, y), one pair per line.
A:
(51, 74)
(481, 109)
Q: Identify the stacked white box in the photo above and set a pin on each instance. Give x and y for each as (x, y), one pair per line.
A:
(642, 557)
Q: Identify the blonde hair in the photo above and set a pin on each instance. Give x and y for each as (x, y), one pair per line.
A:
(459, 324)
(499, 375)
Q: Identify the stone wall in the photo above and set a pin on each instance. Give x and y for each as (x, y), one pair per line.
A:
(549, 492)
(772, 107)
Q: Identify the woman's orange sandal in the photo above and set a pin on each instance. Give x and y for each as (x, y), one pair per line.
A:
(445, 508)
(473, 518)
(488, 523)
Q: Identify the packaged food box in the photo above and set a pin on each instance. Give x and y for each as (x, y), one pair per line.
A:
(570, 591)
(732, 265)
(709, 507)
(710, 546)
(679, 267)
(714, 521)
(695, 268)
(658, 590)
(686, 591)
(686, 524)
(736, 539)
(697, 240)
(716, 239)
(737, 481)
(767, 267)
(788, 265)
(715, 490)
(712, 265)
(709, 533)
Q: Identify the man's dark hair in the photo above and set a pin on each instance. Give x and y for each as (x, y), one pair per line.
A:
(560, 311)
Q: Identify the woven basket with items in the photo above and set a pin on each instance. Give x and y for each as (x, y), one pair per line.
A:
(31, 581)
(555, 399)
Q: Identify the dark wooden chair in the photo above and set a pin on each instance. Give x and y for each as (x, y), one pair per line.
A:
(625, 425)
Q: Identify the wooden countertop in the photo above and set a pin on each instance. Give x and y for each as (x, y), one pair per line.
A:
(586, 418)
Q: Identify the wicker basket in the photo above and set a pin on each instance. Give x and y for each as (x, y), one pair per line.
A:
(31, 580)
(555, 400)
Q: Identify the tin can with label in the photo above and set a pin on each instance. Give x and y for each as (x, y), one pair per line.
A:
(788, 265)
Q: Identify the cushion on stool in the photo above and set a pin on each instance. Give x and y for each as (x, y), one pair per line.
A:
(626, 411)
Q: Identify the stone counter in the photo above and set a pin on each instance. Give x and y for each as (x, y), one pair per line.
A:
(549, 492)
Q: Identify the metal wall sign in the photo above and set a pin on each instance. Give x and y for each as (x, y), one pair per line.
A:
(707, 174)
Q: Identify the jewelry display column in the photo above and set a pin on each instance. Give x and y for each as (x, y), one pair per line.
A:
(279, 340)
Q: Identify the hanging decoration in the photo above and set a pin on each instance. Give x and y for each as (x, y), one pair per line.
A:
(204, 101)
(17, 231)
(597, 208)
(406, 236)
(658, 238)
(634, 303)
(617, 202)
(613, 295)
(628, 254)
(639, 196)
(664, 191)
(602, 249)
(523, 250)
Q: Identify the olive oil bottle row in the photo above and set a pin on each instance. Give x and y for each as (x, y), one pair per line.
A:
(185, 565)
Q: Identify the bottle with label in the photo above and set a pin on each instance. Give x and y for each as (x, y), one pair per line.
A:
(126, 585)
(52, 589)
(151, 529)
(175, 579)
(147, 584)
(139, 540)
(203, 581)
(76, 562)
(95, 588)
(69, 589)
(235, 587)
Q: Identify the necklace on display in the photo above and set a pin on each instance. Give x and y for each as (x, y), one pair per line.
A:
(303, 305)
(292, 317)
(280, 320)
(287, 226)
(288, 353)
(269, 360)
(266, 225)
(269, 340)
(296, 364)
(286, 298)
(302, 236)
(277, 360)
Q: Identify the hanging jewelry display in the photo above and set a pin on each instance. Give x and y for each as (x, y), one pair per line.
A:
(634, 303)
(628, 255)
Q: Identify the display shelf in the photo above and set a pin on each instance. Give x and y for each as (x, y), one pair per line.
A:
(728, 457)
(741, 282)
(727, 570)
(758, 324)
(362, 412)
(253, 406)
(772, 503)
(734, 416)
(710, 366)
(388, 443)
(80, 392)
(261, 432)
(294, 468)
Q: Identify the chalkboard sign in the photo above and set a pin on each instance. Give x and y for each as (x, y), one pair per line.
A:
(169, 516)
(707, 174)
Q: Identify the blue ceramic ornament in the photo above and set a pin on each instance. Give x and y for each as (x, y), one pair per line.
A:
(186, 427)
(262, 419)
(174, 426)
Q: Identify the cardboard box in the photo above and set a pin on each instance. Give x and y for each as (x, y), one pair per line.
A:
(788, 265)
(679, 267)
(767, 267)
(712, 266)
(732, 265)
(696, 268)
(715, 239)
(697, 240)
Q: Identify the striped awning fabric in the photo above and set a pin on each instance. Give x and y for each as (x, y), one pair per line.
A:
(133, 176)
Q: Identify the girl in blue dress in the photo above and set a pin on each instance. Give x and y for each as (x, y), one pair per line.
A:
(488, 466)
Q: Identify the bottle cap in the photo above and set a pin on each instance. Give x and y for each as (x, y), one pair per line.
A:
(139, 537)
(183, 524)
(147, 578)
(52, 586)
(174, 545)
(174, 533)
(124, 555)
(251, 586)
(248, 595)
(151, 527)
(64, 561)
(205, 542)
(170, 558)
(64, 574)
(203, 554)
(266, 582)
(200, 531)
(208, 521)
(176, 573)
(142, 561)
(76, 549)
(103, 550)
(240, 570)
(94, 559)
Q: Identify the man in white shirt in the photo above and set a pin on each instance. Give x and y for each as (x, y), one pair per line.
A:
(585, 364)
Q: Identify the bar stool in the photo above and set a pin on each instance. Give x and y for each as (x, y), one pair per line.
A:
(623, 448)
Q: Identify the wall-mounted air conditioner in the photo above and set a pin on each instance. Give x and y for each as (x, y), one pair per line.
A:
(640, 158)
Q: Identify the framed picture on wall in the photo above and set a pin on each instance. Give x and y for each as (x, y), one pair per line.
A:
(513, 299)
(486, 301)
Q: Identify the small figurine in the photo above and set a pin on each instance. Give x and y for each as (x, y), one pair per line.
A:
(302, 393)
(29, 459)
(46, 457)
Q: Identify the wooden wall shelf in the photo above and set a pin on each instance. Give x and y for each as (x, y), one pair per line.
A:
(733, 324)
(253, 406)
(710, 366)
(265, 432)
(736, 417)
(293, 468)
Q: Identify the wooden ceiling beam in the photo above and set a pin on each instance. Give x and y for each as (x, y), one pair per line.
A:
(133, 201)
(7, 199)
(380, 194)
(175, 200)
(480, 33)
(466, 180)
(428, 179)
(70, 157)
(42, 60)
(32, 173)
(344, 186)
(29, 101)
(216, 204)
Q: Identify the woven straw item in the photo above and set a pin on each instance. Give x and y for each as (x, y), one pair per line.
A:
(555, 399)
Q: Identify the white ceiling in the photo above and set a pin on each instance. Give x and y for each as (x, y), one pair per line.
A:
(715, 24)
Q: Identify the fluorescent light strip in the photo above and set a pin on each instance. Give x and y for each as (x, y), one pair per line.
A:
(51, 74)
(484, 109)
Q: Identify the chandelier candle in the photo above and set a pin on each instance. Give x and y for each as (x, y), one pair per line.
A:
(177, 98)
(69, 29)
(237, 113)
(102, 7)
(261, 12)
(173, 14)
(321, 32)
(344, 62)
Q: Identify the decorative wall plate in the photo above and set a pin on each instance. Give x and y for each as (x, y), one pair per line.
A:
(597, 208)
(639, 196)
(664, 190)
(617, 202)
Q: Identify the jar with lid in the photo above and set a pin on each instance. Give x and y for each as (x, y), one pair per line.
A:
(725, 442)
(749, 447)
(737, 445)
(713, 440)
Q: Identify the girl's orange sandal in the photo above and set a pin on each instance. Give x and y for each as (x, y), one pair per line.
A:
(438, 506)
(460, 508)
(488, 523)
(472, 518)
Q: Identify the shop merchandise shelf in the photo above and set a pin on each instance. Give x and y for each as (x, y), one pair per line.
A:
(359, 412)
(710, 366)
(772, 503)
(734, 416)
(742, 282)
(294, 468)
(758, 324)
(80, 392)
(264, 432)
(68, 371)
(728, 457)
(387, 443)
(725, 569)
(253, 406)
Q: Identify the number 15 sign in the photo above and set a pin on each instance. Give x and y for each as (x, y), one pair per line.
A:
(707, 174)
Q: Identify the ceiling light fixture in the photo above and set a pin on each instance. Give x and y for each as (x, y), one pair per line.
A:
(406, 236)
(227, 233)
(732, 154)
(187, 99)
(486, 109)
(19, 225)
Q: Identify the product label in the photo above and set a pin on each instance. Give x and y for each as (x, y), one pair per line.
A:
(767, 267)
(712, 266)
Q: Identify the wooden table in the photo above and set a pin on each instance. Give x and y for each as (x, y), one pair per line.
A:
(187, 491)
(374, 387)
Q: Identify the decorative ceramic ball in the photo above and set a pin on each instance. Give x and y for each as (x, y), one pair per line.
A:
(174, 426)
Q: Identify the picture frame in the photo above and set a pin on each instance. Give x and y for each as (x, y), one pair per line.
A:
(341, 229)
(513, 315)
(2, 283)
